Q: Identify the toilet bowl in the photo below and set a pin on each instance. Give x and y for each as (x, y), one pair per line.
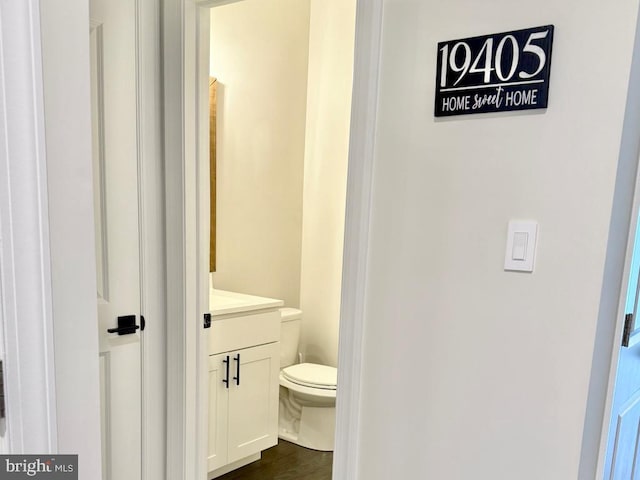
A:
(307, 392)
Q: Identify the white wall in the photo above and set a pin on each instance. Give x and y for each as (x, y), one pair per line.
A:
(470, 371)
(259, 56)
(331, 36)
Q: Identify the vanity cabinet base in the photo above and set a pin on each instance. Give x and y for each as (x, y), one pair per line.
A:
(243, 405)
(234, 466)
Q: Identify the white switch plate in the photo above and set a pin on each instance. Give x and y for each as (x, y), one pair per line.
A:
(521, 245)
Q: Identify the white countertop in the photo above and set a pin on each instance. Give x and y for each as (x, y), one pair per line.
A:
(222, 302)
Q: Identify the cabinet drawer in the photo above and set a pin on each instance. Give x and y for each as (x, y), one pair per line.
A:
(244, 331)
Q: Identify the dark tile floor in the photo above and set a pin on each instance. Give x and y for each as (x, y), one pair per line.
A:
(286, 461)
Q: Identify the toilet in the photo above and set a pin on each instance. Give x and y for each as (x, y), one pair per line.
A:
(307, 414)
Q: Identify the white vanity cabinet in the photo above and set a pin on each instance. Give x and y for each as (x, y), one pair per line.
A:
(244, 366)
(243, 418)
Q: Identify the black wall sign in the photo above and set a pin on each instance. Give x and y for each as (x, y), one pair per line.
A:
(494, 73)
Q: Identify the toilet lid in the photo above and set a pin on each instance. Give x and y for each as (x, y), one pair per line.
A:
(312, 375)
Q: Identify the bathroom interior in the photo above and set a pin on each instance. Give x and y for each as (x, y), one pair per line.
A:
(280, 100)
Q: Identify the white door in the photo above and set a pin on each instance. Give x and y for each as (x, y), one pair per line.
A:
(115, 146)
(623, 445)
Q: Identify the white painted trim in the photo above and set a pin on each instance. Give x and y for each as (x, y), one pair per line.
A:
(626, 205)
(187, 284)
(175, 19)
(25, 272)
(356, 244)
(203, 218)
(152, 248)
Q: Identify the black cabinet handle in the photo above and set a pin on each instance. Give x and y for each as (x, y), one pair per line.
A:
(226, 379)
(237, 377)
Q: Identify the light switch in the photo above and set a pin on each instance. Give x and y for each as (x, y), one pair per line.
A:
(521, 245)
(519, 251)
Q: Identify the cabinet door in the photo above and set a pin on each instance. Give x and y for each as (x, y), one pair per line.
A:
(218, 408)
(253, 404)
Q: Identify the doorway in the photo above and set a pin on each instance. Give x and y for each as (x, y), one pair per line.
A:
(186, 31)
(283, 72)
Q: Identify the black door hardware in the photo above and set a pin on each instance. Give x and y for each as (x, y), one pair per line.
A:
(143, 323)
(628, 328)
(2, 402)
(237, 377)
(207, 320)
(226, 379)
(126, 325)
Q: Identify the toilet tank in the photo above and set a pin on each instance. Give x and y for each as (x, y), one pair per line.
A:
(291, 319)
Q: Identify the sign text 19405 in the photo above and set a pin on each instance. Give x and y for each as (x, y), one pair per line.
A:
(494, 73)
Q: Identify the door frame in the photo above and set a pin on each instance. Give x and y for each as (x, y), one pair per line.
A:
(151, 197)
(186, 38)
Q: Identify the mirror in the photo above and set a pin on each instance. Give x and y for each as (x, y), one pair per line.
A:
(212, 167)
